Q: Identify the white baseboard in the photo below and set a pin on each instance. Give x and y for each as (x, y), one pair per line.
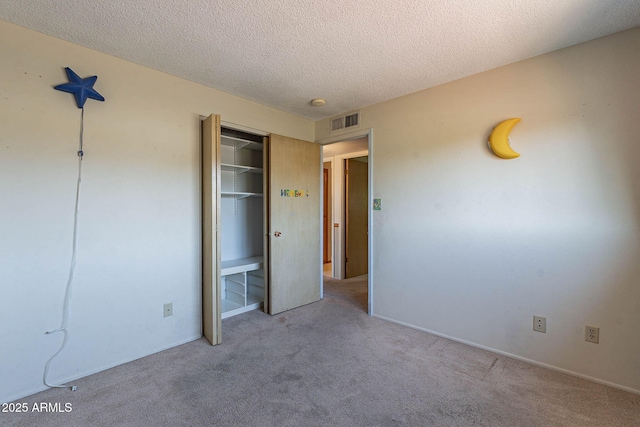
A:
(514, 356)
(67, 380)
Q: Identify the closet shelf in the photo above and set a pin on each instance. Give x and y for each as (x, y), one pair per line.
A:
(240, 143)
(233, 266)
(239, 194)
(240, 168)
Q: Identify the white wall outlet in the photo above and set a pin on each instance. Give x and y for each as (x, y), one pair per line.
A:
(540, 324)
(168, 309)
(592, 334)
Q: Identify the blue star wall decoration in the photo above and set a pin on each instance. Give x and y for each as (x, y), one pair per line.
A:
(80, 88)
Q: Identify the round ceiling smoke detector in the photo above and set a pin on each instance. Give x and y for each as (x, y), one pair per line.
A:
(318, 102)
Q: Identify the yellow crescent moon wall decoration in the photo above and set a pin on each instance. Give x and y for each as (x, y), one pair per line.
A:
(499, 139)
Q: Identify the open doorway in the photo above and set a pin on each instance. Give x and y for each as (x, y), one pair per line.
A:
(346, 219)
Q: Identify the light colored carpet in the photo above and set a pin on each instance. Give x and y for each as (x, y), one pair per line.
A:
(329, 364)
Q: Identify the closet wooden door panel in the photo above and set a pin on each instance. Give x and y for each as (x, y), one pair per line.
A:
(294, 224)
(211, 314)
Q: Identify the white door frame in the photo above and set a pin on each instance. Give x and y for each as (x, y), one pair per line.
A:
(356, 134)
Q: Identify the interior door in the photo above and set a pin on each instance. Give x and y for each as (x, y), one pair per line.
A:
(295, 263)
(211, 312)
(356, 221)
(326, 244)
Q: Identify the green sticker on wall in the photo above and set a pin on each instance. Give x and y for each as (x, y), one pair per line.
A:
(377, 204)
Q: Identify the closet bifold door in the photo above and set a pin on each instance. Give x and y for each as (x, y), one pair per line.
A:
(211, 312)
(265, 222)
(294, 223)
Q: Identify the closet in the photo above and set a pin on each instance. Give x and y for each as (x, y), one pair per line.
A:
(241, 222)
(260, 223)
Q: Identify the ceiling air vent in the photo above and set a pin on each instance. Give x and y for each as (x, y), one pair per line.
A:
(344, 122)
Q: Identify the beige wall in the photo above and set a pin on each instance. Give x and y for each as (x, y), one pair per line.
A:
(471, 246)
(139, 228)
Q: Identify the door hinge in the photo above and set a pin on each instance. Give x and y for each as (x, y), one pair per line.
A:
(346, 171)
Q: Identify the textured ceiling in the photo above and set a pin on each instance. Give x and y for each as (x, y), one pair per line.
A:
(354, 53)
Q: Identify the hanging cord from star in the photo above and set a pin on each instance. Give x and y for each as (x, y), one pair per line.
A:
(81, 89)
(72, 269)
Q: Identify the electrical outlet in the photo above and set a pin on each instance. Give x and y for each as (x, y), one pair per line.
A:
(540, 324)
(592, 334)
(168, 309)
